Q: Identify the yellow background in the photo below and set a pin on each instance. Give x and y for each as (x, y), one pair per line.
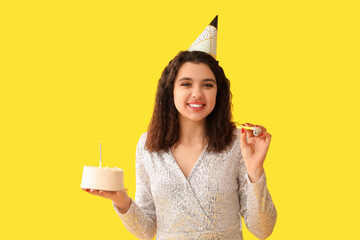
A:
(74, 72)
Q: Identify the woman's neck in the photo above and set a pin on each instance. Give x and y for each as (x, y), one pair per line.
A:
(191, 132)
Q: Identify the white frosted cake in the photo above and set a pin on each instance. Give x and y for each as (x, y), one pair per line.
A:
(103, 178)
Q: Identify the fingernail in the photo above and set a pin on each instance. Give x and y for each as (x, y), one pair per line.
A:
(256, 125)
(261, 134)
(242, 130)
(242, 124)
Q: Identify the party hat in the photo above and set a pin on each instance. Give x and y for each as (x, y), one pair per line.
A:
(207, 41)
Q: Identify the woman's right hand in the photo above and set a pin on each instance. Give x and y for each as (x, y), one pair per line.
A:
(120, 198)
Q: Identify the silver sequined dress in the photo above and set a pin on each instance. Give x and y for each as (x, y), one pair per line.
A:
(206, 205)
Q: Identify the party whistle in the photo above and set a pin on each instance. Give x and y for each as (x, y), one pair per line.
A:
(256, 130)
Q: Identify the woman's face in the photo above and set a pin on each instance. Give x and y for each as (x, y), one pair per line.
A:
(195, 91)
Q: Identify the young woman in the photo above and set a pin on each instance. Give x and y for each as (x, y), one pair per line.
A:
(196, 174)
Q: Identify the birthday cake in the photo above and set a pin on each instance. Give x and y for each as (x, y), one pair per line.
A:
(102, 178)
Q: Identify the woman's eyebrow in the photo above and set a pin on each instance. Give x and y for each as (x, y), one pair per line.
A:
(209, 80)
(184, 78)
(188, 78)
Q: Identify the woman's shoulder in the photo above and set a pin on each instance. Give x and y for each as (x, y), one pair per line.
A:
(140, 147)
(236, 137)
(237, 133)
(234, 146)
(142, 140)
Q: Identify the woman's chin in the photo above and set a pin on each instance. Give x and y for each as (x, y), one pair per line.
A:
(195, 119)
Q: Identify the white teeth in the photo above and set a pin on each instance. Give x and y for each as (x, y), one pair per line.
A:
(195, 105)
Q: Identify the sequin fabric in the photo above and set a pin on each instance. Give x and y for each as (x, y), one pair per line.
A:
(206, 205)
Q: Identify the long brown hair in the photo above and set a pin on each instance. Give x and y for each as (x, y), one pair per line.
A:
(163, 130)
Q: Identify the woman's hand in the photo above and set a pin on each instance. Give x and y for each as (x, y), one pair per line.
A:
(254, 150)
(119, 198)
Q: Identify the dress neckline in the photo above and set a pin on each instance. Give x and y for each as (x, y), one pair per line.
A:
(193, 168)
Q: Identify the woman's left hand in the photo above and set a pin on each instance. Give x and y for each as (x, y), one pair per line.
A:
(254, 150)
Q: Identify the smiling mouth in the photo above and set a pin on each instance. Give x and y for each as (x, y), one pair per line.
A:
(196, 105)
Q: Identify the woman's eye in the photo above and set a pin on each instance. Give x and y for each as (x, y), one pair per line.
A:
(208, 85)
(185, 84)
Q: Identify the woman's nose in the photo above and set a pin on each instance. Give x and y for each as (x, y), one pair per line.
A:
(197, 92)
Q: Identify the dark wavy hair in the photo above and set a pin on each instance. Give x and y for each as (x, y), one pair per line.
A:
(163, 130)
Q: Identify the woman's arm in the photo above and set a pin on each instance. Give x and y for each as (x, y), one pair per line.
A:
(140, 219)
(257, 208)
